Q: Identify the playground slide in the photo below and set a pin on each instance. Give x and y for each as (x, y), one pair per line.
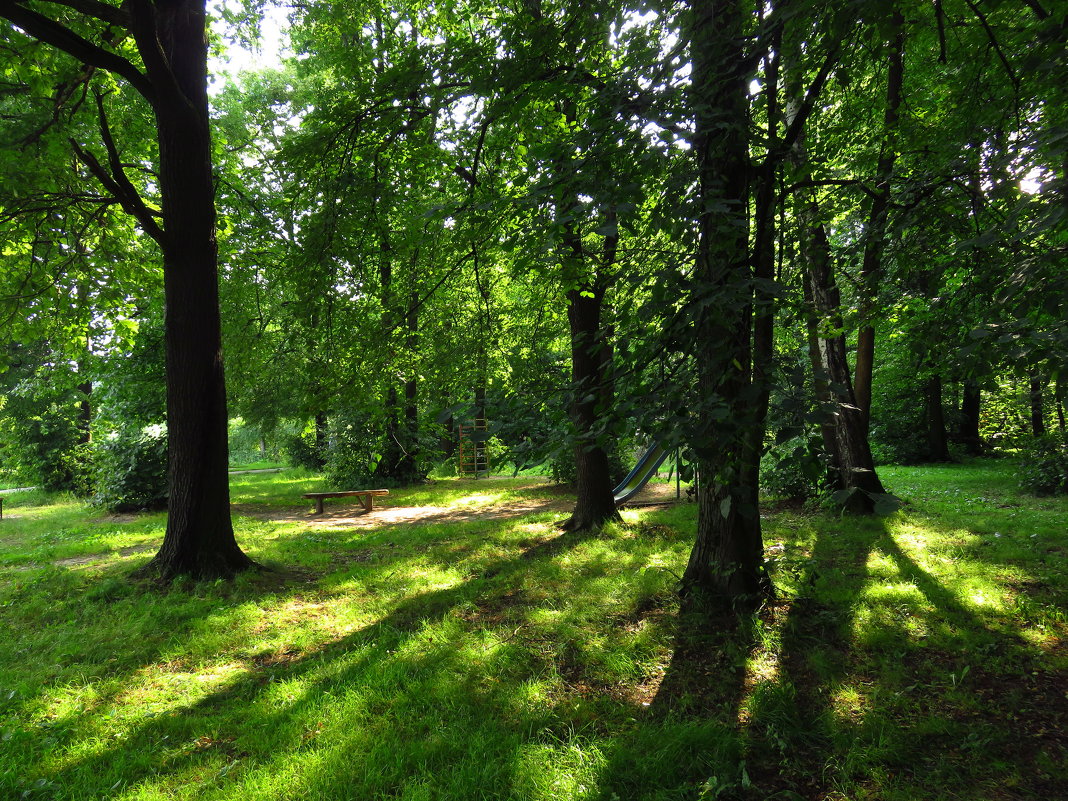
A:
(642, 472)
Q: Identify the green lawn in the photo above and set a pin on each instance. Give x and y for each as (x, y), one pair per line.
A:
(920, 656)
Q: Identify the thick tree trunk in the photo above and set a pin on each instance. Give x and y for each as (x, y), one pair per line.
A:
(937, 442)
(171, 40)
(595, 504)
(971, 397)
(592, 381)
(874, 237)
(726, 566)
(1038, 421)
(199, 540)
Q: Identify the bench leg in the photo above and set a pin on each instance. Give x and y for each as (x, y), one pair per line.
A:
(366, 500)
(318, 506)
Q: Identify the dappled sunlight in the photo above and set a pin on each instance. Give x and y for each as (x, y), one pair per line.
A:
(477, 499)
(448, 656)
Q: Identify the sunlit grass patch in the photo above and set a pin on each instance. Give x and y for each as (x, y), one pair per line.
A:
(904, 657)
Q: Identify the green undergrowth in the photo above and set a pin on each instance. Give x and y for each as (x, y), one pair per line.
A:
(917, 656)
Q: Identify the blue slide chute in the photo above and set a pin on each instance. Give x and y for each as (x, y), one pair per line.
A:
(642, 472)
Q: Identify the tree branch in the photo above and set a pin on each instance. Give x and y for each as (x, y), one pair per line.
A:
(116, 181)
(811, 96)
(97, 10)
(115, 162)
(997, 49)
(62, 38)
(1035, 6)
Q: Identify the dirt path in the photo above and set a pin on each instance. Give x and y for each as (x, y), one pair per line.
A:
(347, 515)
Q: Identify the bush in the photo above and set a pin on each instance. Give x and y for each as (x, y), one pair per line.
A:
(131, 470)
(1044, 467)
(793, 469)
(300, 451)
(356, 455)
(563, 470)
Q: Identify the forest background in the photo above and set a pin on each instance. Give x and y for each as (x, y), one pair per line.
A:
(794, 241)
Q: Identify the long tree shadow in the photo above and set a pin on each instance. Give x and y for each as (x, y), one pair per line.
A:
(685, 742)
(893, 692)
(883, 681)
(374, 660)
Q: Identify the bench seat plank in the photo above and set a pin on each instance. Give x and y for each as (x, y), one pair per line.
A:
(366, 497)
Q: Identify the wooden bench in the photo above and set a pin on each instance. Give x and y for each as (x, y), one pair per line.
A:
(366, 497)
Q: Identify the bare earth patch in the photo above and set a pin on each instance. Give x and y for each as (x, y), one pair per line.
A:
(351, 515)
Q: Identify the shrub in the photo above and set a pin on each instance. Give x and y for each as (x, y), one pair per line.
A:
(1044, 467)
(300, 451)
(793, 469)
(622, 456)
(131, 470)
(358, 458)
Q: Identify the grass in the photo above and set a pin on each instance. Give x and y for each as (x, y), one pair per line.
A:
(917, 656)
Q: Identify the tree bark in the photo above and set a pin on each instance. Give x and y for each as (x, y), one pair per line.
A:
(726, 566)
(320, 437)
(85, 410)
(595, 504)
(764, 202)
(824, 399)
(591, 357)
(199, 540)
(1038, 421)
(856, 468)
(850, 464)
(937, 442)
(878, 213)
(971, 399)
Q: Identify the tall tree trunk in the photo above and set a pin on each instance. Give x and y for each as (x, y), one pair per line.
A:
(726, 566)
(481, 421)
(411, 390)
(591, 357)
(199, 540)
(595, 503)
(824, 399)
(1038, 422)
(971, 397)
(856, 468)
(321, 443)
(937, 442)
(874, 237)
(171, 40)
(85, 411)
(845, 434)
(764, 239)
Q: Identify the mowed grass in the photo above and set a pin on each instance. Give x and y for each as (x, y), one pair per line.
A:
(919, 656)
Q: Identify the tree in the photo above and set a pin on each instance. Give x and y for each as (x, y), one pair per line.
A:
(726, 564)
(170, 39)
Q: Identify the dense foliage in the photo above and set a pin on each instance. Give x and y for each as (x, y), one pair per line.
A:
(817, 237)
(1044, 466)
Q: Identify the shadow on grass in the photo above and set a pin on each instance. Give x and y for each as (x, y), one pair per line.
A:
(899, 698)
(414, 704)
(861, 696)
